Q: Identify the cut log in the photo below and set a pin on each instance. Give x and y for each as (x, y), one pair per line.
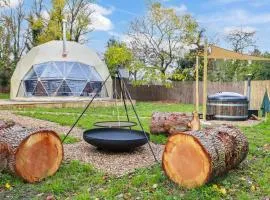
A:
(33, 154)
(162, 122)
(193, 158)
(4, 153)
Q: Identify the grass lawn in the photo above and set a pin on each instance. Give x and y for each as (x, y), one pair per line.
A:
(76, 180)
(67, 116)
(4, 95)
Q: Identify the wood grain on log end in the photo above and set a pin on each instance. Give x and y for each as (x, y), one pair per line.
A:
(193, 158)
(38, 156)
(185, 161)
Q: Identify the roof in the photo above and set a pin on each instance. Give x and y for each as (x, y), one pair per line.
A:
(53, 51)
(221, 53)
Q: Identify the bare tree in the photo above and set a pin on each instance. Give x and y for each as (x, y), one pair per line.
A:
(241, 39)
(160, 38)
(12, 40)
(13, 19)
(79, 18)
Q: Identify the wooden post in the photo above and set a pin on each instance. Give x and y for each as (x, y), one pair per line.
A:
(205, 78)
(197, 83)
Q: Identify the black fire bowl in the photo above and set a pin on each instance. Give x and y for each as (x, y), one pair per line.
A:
(115, 139)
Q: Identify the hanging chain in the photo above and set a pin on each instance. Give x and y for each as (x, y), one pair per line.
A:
(124, 91)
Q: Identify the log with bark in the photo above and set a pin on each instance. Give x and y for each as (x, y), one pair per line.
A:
(162, 122)
(169, 122)
(193, 158)
(32, 154)
(4, 152)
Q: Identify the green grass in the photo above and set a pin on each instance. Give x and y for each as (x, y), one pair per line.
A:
(67, 116)
(4, 95)
(80, 181)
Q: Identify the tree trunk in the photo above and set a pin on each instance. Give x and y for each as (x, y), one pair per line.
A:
(162, 122)
(33, 154)
(193, 158)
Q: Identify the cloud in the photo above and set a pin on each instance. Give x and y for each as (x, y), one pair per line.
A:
(229, 1)
(100, 20)
(180, 10)
(256, 3)
(45, 14)
(236, 17)
(260, 3)
(126, 12)
(115, 34)
(11, 3)
(231, 29)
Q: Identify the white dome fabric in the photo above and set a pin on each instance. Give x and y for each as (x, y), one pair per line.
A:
(43, 71)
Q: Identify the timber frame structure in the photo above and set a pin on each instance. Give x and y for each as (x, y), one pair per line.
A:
(215, 52)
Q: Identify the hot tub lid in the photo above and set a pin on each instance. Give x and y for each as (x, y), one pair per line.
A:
(227, 96)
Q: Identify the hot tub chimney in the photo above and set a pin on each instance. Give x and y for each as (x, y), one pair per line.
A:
(64, 54)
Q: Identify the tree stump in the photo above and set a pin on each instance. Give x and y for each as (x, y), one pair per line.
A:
(162, 122)
(33, 154)
(193, 158)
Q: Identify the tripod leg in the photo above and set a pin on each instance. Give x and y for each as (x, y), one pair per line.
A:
(132, 105)
(78, 119)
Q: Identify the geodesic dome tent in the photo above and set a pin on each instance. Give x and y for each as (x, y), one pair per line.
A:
(45, 72)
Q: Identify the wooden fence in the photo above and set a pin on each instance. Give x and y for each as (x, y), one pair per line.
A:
(4, 89)
(258, 89)
(184, 92)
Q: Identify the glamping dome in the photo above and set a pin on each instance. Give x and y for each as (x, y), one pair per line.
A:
(49, 70)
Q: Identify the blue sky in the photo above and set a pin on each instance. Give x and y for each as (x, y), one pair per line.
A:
(217, 16)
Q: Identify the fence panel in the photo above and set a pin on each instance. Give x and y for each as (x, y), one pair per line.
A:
(4, 89)
(258, 89)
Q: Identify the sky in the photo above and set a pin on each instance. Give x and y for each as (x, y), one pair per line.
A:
(218, 17)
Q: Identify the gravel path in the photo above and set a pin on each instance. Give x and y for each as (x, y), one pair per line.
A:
(109, 162)
(29, 122)
(246, 123)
